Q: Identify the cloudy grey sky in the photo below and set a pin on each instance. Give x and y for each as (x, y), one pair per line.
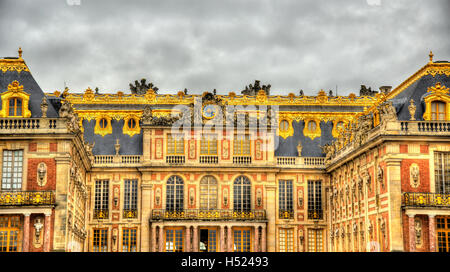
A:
(225, 45)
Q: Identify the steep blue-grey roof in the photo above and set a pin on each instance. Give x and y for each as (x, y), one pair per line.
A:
(31, 87)
(104, 145)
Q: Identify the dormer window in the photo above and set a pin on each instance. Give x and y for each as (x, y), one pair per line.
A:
(103, 123)
(15, 101)
(284, 125)
(437, 103)
(15, 107)
(312, 126)
(438, 112)
(131, 123)
(312, 129)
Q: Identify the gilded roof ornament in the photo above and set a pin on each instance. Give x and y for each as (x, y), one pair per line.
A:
(431, 56)
(20, 52)
(15, 87)
(438, 89)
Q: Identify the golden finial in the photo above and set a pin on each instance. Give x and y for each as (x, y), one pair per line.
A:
(20, 52)
(431, 56)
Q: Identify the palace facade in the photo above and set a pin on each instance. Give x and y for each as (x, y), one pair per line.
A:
(242, 172)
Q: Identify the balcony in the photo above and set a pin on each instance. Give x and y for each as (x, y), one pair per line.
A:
(286, 214)
(175, 160)
(301, 162)
(242, 160)
(209, 215)
(425, 127)
(425, 200)
(117, 161)
(209, 159)
(32, 125)
(27, 198)
(315, 214)
(129, 214)
(101, 214)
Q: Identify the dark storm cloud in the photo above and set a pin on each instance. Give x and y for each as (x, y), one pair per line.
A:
(225, 45)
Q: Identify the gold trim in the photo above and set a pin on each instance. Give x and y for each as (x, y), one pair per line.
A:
(438, 93)
(89, 97)
(15, 90)
(131, 131)
(17, 65)
(312, 133)
(336, 132)
(429, 69)
(103, 131)
(288, 132)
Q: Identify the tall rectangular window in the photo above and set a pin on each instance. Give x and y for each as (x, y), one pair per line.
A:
(130, 198)
(242, 239)
(442, 172)
(315, 199)
(175, 144)
(100, 240)
(12, 169)
(174, 240)
(208, 144)
(241, 145)
(315, 240)
(10, 230)
(129, 239)
(101, 202)
(285, 198)
(286, 240)
(443, 233)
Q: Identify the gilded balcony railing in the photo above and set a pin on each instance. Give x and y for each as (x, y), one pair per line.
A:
(426, 200)
(315, 214)
(197, 214)
(22, 198)
(286, 214)
(130, 213)
(101, 214)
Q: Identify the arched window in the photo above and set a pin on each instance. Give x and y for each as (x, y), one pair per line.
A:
(15, 107)
(174, 194)
(438, 110)
(241, 194)
(208, 193)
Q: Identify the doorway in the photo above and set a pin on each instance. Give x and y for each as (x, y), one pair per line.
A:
(208, 240)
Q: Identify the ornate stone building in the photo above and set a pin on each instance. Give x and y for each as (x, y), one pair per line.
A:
(251, 172)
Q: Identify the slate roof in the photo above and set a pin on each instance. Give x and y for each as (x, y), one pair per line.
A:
(29, 86)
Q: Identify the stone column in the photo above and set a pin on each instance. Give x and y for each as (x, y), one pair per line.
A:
(432, 232)
(153, 241)
(26, 232)
(263, 239)
(412, 233)
(188, 239)
(270, 198)
(146, 144)
(145, 207)
(60, 211)
(256, 239)
(222, 239)
(47, 224)
(230, 240)
(393, 180)
(161, 239)
(195, 239)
